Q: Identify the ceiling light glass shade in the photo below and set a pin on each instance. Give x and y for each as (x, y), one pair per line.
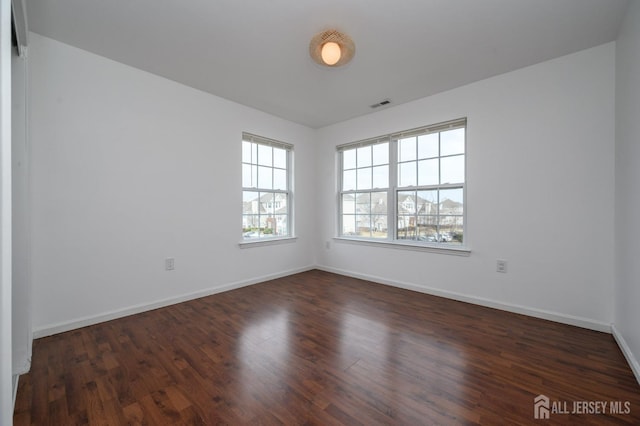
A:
(331, 48)
(331, 53)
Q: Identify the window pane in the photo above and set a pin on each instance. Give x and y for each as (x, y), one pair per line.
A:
(348, 224)
(379, 226)
(250, 202)
(422, 228)
(250, 226)
(406, 202)
(428, 173)
(429, 221)
(380, 154)
(348, 204)
(428, 146)
(249, 221)
(407, 174)
(349, 159)
(452, 169)
(452, 142)
(265, 155)
(248, 150)
(266, 203)
(349, 180)
(406, 228)
(267, 224)
(379, 203)
(265, 177)
(249, 176)
(381, 177)
(379, 214)
(363, 225)
(428, 229)
(451, 229)
(280, 203)
(280, 158)
(280, 228)
(279, 179)
(427, 202)
(363, 203)
(407, 149)
(364, 178)
(364, 156)
(451, 201)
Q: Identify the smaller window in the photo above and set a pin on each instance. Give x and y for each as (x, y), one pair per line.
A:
(266, 188)
(365, 182)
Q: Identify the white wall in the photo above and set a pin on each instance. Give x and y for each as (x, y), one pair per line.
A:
(128, 168)
(539, 192)
(6, 381)
(627, 160)
(21, 290)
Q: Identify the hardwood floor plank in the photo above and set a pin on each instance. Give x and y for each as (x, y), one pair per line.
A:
(322, 349)
(133, 414)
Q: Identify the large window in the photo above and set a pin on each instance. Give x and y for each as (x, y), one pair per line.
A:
(266, 188)
(406, 187)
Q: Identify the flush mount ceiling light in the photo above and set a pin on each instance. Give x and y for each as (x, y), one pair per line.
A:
(331, 48)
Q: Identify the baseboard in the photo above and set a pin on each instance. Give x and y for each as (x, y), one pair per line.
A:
(518, 309)
(16, 379)
(61, 327)
(24, 369)
(626, 351)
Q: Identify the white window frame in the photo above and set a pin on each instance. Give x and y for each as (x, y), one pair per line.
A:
(288, 192)
(393, 189)
(361, 144)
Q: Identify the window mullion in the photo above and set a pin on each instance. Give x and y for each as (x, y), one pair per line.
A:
(340, 226)
(415, 197)
(272, 170)
(370, 213)
(355, 185)
(288, 192)
(392, 204)
(438, 233)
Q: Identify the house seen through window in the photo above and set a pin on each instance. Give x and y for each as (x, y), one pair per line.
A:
(405, 187)
(266, 188)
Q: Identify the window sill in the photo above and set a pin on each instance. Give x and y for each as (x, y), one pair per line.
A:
(432, 248)
(266, 242)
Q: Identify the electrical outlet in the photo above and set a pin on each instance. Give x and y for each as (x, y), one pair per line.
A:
(501, 266)
(169, 264)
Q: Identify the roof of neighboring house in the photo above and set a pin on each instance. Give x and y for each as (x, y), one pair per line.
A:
(450, 204)
(249, 207)
(279, 196)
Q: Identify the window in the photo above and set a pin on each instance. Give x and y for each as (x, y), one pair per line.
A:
(406, 187)
(365, 179)
(266, 188)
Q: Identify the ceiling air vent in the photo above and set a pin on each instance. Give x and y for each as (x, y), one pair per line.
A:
(382, 103)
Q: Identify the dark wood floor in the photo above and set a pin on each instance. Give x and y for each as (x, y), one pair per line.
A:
(319, 348)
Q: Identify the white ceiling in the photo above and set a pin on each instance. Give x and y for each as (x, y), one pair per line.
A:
(255, 52)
